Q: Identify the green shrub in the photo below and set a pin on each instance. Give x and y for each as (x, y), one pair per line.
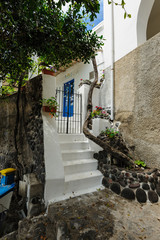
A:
(110, 132)
(140, 163)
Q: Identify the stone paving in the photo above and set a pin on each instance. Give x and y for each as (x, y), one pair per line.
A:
(134, 221)
(101, 215)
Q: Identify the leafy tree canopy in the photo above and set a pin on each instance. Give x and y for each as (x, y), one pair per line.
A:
(92, 6)
(40, 27)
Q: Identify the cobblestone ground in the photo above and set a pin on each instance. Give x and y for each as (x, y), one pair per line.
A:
(101, 215)
(134, 221)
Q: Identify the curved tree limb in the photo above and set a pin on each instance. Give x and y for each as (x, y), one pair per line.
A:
(114, 152)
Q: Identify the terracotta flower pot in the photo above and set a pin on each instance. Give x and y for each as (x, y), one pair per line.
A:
(48, 109)
(48, 72)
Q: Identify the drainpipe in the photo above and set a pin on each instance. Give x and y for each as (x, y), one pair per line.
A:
(112, 61)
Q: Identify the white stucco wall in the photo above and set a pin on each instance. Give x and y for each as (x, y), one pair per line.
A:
(128, 33)
(76, 72)
(53, 160)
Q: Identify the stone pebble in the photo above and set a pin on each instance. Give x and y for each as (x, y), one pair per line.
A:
(134, 185)
(158, 190)
(115, 187)
(153, 187)
(122, 183)
(141, 195)
(145, 186)
(128, 194)
(105, 182)
(152, 196)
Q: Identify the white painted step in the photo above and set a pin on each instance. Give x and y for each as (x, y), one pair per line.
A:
(71, 137)
(69, 195)
(74, 145)
(71, 130)
(77, 154)
(82, 181)
(83, 165)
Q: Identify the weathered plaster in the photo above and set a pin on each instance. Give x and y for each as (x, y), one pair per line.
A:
(137, 99)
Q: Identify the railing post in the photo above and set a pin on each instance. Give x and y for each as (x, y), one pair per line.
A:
(80, 113)
(67, 114)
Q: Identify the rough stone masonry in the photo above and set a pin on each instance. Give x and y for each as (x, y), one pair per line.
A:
(30, 151)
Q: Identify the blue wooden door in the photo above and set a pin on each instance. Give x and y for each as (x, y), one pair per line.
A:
(68, 99)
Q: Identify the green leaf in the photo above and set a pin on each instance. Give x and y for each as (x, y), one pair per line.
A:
(122, 3)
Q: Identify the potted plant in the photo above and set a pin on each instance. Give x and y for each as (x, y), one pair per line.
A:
(50, 105)
(47, 69)
(99, 112)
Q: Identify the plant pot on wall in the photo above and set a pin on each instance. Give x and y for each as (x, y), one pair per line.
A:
(48, 72)
(50, 105)
(49, 109)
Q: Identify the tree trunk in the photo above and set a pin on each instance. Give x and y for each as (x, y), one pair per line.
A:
(19, 166)
(114, 152)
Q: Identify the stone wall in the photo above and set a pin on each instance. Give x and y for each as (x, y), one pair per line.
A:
(27, 148)
(137, 100)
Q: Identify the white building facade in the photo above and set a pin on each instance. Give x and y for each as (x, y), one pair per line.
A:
(121, 37)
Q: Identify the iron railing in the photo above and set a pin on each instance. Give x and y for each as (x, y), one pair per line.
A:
(69, 114)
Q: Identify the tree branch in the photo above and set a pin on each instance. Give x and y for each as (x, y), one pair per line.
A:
(114, 152)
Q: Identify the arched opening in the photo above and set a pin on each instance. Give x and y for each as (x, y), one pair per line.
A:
(142, 20)
(153, 26)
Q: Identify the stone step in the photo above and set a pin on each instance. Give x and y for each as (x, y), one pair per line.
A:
(77, 154)
(83, 165)
(71, 137)
(74, 145)
(83, 181)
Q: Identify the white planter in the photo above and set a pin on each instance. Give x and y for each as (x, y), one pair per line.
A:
(99, 125)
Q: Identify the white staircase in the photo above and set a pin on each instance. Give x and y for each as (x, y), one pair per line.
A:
(80, 169)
